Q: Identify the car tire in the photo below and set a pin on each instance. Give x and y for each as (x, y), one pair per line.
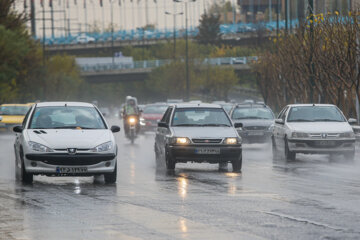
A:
(111, 177)
(289, 155)
(237, 164)
(350, 155)
(223, 167)
(170, 163)
(27, 178)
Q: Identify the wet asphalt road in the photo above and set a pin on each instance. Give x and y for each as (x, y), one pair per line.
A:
(310, 198)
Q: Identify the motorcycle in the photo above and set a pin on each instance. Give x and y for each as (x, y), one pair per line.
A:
(133, 127)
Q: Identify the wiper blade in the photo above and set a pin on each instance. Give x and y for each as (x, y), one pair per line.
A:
(300, 120)
(215, 125)
(72, 127)
(326, 120)
(185, 125)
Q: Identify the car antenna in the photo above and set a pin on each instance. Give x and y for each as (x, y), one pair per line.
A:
(65, 104)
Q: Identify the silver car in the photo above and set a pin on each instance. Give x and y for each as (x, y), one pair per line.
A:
(313, 129)
(198, 133)
(65, 139)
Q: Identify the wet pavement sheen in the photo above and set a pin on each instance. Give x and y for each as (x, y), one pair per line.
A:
(310, 198)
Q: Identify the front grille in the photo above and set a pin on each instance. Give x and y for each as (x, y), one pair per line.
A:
(66, 159)
(327, 135)
(254, 128)
(68, 162)
(201, 140)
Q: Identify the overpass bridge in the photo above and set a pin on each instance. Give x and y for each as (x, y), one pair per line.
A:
(139, 70)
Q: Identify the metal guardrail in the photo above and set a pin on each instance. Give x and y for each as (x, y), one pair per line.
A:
(148, 64)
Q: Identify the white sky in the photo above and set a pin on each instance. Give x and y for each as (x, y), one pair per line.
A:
(129, 15)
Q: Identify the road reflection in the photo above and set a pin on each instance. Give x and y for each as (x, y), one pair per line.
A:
(182, 185)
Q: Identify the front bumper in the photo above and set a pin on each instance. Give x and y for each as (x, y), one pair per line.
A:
(49, 163)
(255, 136)
(321, 146)
(188, 153)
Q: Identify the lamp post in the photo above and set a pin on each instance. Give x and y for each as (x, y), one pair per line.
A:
(112, 32)
(186, 47)
(174, 31)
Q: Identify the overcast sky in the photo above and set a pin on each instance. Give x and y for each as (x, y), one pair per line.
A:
(128, 15)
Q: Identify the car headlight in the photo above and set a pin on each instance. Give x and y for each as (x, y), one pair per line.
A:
(103, 147)
(347, 135)
(299, 135)
(132, 120)
(180, 140)
(39, 147)
(232, 141)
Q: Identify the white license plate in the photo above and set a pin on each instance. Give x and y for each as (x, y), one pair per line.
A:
(207, 150)
(71, 170)
(255, 133)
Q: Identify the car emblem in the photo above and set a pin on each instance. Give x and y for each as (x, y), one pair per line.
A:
(207, 141)
(324, 135)
(72, 151)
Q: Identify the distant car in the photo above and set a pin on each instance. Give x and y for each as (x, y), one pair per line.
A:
(227, 106)
(198, 133)
(313, 129)
(65, 139)
(84, 39)
(151, 115)
(258, 122)
(356, 130)
(13, 114)
(239, 60)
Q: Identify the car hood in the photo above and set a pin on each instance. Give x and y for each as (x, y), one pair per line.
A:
(255, 122)
(204, 132)
(70, 138)
(320, 127)
(152, 116)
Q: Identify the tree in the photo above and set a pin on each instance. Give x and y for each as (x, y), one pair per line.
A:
(209, 29)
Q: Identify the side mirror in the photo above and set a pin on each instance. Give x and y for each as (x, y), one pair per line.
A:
(163, 125)
(18, 129)
(238, 125)
(279, 121)
(115, 129)
(352, 121)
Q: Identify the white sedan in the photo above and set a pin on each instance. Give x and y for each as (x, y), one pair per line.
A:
(313, 129)
(65, 139)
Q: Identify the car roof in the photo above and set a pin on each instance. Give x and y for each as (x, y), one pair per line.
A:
(59, 104)
(197, 105)
(249, 105)
(311, 105)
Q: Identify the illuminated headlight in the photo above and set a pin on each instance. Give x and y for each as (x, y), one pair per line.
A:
(231, 141)
(142, 121)
(299, 135)
(39, 147)
(132, 120)
(103, 147)
(347, 135)
(181, 140)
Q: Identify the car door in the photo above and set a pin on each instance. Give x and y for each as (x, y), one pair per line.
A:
(162, 132)
(279, 129)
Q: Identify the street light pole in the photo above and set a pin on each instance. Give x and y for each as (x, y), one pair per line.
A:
(112, 32)
(174, 29)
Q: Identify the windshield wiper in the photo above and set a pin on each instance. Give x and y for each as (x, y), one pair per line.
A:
(215, 125)
(72, 127)
(300, 120)
(186, 125)
(326, 120)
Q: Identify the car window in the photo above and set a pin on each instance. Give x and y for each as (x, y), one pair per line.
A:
(26, 118)
(315, 114)
(66, 117)
(252, 113)
(167, 118)
(166, 114)
(155, 109)
(200, 117)
(282, 114)
(14, 110)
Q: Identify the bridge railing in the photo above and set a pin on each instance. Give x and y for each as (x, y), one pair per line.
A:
(149, 64)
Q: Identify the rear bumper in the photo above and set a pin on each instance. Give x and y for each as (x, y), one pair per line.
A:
(188, 153)
(255, 136)
(321, 146)
(48, 164)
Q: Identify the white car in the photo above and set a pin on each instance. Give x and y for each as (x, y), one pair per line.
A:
(313, 129)
(65, 139)
(84, 39)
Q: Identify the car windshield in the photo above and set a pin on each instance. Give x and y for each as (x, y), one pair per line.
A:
(61, 117)
(200, 117)
(315, 114)
(159, 109)
(252, 113)
(14, 110)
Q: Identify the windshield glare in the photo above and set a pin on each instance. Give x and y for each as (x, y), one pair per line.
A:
(252, 113)
(315, 114)
(66, 117)
(200, 117)
(14, 110)
(155, 109)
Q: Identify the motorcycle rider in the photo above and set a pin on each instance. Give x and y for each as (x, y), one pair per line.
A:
(131, 109)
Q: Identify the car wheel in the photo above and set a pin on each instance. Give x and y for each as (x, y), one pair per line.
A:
(170, 163)
(350, 155)
(237, 165)
(288, 154)
(111, 177)
(25, 177)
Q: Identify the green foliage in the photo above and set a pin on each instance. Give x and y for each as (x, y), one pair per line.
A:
(209, 29)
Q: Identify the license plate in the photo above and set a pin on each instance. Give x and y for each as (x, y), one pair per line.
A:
(255, 133)
(325, 143)
(71, 170)
(207, 150)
